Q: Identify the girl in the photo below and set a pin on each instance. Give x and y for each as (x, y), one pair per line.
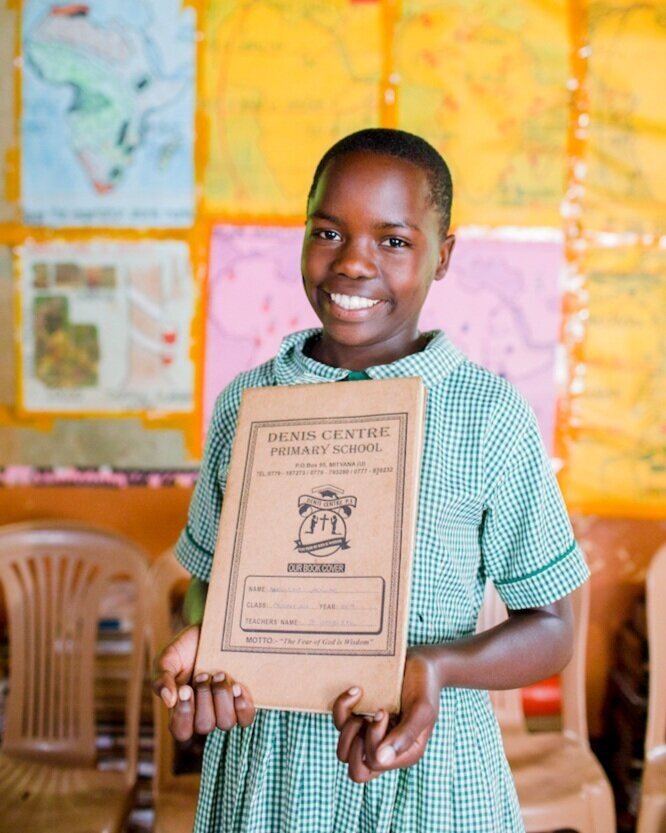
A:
(376, 239)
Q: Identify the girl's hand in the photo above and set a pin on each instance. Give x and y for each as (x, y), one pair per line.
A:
(201, 704)
(372, 746)
(406, 741)
(355, 732)
(352, 728)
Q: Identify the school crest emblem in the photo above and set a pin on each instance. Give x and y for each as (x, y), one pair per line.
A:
(324, 513)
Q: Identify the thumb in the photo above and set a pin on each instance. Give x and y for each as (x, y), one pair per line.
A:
(164, 686)
(409, 735)
(173, 666)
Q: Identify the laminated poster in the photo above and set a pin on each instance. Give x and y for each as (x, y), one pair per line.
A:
(108, 113)
(105, 328)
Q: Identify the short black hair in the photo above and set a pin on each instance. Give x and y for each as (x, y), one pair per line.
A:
(401, 145)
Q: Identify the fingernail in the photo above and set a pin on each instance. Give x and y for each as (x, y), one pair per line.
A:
(201, 678)
(378, 716)
(386, 754)
(220, 677)
(184, 693)
(166, 695)
(354, 690)
(237, 690)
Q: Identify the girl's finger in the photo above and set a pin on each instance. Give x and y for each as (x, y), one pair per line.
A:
(223, 701)
(243, 704)
(165, 687)
(181, 719)
(358, 770)
(204, 712)
(374, 734)
(343, 706)
(176, 660)
(348, 734)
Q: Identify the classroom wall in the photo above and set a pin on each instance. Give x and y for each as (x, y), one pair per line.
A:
(151, 517)
(156, 160)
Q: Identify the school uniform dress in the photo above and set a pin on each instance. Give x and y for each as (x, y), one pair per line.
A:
(489, 508)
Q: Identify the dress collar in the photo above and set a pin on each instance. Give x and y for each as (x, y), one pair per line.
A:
(437, 360)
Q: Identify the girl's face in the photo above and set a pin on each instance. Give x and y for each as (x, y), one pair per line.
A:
(372, 248)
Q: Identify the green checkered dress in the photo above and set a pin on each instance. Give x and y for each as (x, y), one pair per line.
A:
(489, 507)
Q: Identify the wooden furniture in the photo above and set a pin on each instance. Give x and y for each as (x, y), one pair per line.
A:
(559, 781)
(652, 815)
(174, 796)
(54, 575)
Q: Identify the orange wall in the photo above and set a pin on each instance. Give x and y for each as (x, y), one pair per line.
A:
(152, 518)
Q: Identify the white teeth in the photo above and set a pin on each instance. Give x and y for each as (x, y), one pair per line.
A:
(353, 301)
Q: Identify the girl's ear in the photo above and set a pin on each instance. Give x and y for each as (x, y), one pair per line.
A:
(445, 251)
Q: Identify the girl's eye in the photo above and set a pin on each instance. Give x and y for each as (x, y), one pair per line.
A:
(397, 242)
(326, 234)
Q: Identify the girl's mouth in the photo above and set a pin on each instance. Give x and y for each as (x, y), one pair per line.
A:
(353, 302)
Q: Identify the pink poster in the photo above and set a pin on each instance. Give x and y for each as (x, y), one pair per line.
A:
(499, 303)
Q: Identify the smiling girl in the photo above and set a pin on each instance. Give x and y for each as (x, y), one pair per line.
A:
(376, 239)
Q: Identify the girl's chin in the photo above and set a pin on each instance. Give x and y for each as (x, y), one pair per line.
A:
(378, 346)
(353, 335)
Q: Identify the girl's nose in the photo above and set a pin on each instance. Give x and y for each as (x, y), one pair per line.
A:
(356, 260)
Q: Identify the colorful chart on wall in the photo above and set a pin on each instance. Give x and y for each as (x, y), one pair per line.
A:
(499, 303)
(105, 327)
(534, 104)
(486, 83)
(8, 156)
(107, 113)
(613, 440)
(282, 81)
(625, 183)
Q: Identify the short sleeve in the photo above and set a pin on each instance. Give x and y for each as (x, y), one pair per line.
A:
(196, 544)
(527, 543)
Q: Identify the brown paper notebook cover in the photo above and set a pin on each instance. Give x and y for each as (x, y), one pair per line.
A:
(311, 576)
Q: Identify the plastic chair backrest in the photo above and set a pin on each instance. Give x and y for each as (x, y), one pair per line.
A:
(508, 704)
(655, 736)
(168, 579)
(54, 575)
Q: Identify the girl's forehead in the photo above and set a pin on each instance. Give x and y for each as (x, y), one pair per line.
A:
(366, 174)
(350, 164)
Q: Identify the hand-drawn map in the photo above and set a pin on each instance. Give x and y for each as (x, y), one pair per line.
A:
(107, 118)
(613, 441)
(106, 327)
(486, 84)
(499, 303)
(282, 82)
(625, 182)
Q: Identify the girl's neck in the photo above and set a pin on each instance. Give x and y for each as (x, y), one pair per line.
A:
(353, 357)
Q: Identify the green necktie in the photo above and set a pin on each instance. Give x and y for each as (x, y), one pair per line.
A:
(355, 376)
